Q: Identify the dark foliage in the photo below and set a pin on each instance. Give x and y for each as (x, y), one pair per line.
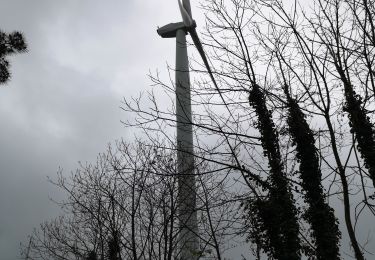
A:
(9, 44)
(320, 215)
(362, 128)
(273, 219)
(92, 256)
(114, 248)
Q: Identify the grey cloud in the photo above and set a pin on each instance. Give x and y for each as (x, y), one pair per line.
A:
(62, 103)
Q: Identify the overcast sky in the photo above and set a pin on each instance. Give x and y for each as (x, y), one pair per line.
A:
(62, 103)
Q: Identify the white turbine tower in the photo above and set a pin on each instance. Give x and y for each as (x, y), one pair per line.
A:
(188, 238)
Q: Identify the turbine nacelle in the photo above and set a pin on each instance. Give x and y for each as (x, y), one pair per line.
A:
(170, 30)
(187, 24)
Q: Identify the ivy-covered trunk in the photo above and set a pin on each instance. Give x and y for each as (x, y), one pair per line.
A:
(319, 215)
(273, 218)
(361, 126)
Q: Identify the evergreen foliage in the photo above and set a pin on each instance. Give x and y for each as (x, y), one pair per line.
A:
(9, 44)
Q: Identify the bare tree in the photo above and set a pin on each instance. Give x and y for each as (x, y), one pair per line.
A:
(124, 207)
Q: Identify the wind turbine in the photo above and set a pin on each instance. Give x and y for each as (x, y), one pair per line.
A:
(188, 238)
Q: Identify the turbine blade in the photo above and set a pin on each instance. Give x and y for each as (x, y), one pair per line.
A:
(199, 46)
(186, 18)
(186, 4)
